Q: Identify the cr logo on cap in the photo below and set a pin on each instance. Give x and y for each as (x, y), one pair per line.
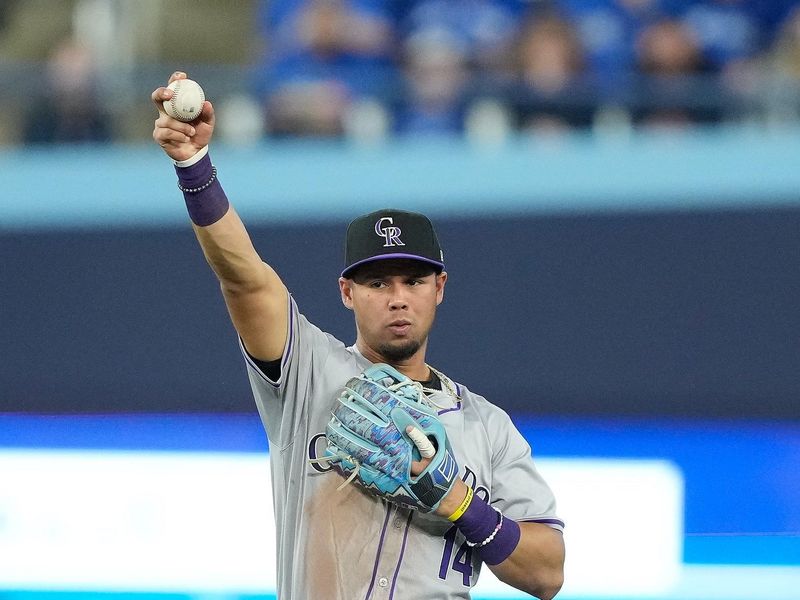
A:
(390, 233)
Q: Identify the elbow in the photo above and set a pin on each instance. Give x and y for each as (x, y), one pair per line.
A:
(542, 584)
(239, 285)
(550, 589)
(232, 288)
(547, 586)
(536, 566)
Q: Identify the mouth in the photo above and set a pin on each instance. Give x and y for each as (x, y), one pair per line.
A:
(400, 327)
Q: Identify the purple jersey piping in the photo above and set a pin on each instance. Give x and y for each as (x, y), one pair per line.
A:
(288, 352)
(447, 410)
(378, 553)
(431, 261)
(254, 366)
(544, 521)
(402, 551)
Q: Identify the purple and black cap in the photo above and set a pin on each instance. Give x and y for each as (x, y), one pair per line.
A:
(391, 233)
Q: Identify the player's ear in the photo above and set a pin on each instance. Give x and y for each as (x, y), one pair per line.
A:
(441, 279)
(346, 289)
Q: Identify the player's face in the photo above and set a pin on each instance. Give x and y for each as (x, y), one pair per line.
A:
(394, 302)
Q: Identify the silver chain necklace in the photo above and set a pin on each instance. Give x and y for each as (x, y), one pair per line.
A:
(445, 381)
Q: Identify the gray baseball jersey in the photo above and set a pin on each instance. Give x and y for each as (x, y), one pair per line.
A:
(348, 544)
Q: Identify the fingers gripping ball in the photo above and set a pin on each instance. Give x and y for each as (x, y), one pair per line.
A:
(368, 440)
(187, 100)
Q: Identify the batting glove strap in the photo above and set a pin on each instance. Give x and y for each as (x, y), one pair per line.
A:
(433, 484)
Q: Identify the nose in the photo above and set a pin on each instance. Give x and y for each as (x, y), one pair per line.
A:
(398, 304)
(398, 300)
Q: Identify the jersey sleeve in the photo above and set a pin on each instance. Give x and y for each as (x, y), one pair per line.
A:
(518, 489)
(283, 403)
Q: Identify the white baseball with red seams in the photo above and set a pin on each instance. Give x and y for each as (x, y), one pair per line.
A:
(187, 100)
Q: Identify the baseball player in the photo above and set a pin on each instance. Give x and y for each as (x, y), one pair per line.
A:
(346, 542)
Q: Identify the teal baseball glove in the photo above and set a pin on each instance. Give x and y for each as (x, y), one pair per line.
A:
(369, 442)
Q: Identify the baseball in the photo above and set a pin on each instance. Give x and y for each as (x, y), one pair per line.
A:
(187, 100)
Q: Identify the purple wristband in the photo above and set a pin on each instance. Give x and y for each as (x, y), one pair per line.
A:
(503, 544)
(479, 522)
(205, 199)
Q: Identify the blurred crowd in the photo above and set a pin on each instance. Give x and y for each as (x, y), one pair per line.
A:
(369, 69)
(490, 67)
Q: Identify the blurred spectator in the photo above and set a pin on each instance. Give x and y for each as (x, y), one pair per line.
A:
(484, 29)
(732, 35)
(554, 95)
(608, 30)
(786, 49)
(672, 92)
(455, 53)
(550, 55)
(726, 30)
(781, 94)
(732, 31)
(322, 56)
(668, 48)
(69, 107)
(436, 71)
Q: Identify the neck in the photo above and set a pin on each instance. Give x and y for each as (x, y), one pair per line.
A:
(413, 367)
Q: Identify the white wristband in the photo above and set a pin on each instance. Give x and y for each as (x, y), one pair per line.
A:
(193, 159)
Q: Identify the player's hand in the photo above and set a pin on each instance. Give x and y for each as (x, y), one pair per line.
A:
(178, 139)
(427, 449)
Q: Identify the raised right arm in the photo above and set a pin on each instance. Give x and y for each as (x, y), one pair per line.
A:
(256, 298)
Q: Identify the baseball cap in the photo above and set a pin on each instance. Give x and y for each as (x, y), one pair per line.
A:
(391, 233)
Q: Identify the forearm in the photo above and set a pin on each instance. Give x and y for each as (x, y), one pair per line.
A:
(536, 565)
(230, 254)
(527, 556)
(221, 233)
(254, 294)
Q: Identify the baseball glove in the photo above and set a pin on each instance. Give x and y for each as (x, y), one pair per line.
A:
(368, 441)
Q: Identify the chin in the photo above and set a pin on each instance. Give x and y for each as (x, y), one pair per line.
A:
(399, 351)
